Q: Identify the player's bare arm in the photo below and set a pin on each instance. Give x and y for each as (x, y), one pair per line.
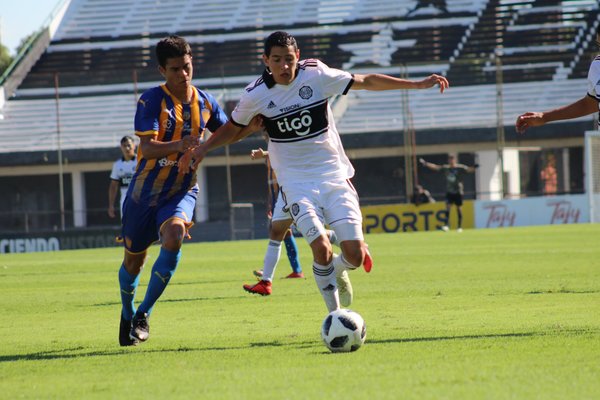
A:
(152, 148)
(386, 82)
(226, 134)
(584, 106)
(429, 165)
(112, 197)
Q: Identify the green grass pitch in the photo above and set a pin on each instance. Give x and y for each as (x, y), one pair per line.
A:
(484, 314)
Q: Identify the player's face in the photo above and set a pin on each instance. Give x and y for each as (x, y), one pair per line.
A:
(282, 62)
(178, 72)
(128, 150)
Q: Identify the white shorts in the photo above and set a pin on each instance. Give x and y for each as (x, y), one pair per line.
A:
(280, 212)
(334, 203)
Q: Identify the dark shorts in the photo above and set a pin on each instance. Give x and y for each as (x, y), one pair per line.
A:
(454, 198)
(141, 223)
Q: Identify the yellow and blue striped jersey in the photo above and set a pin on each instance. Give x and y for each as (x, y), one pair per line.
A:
(162, 115)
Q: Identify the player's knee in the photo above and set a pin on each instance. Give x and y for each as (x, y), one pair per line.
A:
(355, 254)
(134, 263)
(172, 235)
(279, 230)
(322, 252)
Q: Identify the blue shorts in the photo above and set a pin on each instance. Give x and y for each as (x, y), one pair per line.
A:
(141, 223)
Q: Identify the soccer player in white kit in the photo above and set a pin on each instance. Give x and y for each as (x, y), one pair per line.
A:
(588, 104)
(306, 151)
(120, 176)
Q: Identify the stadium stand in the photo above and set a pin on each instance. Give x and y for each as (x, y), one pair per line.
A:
(101, 52)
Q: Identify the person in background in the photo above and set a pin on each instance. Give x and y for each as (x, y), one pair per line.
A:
(454, 173)
(422, 196)
(120, 176)
(549, 176)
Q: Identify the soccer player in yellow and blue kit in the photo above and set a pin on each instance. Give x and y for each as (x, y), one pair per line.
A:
(170, 119)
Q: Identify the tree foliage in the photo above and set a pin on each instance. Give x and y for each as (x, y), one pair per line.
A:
(5, 58)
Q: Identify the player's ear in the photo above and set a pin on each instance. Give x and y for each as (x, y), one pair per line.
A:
(162, 71)
(265, 59)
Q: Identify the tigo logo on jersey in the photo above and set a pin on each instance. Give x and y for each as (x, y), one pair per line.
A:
(296, 124)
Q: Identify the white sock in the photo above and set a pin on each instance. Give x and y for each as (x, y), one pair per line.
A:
(332, 237)
(340, 264)
(325, 278)
(271, 259)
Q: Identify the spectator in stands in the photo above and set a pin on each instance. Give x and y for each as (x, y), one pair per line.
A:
(549, 176)
(307, 154)
(438, 4)
(422, 196)
(587, 105)
(454, 186)
(170, 119)
(121, 174)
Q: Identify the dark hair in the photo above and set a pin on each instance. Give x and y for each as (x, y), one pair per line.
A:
(126, 139)
(171, 47)
(279, 38)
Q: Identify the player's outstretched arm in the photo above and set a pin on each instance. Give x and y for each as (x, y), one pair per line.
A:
(386, 82)
(429, 165)
(152, 148)
(226, 134)
(584, 106)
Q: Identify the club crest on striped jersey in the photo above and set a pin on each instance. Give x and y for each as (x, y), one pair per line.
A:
(305, 92)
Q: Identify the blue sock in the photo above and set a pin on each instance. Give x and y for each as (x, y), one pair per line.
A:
(292, 253)
(162, 271)
(128, 284)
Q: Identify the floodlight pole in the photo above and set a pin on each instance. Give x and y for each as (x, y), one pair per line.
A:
(60, 163)
(410, 172)
(500, 144)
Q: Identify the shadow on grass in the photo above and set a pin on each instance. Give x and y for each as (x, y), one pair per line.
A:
(462, 337)
(562, 291)
(76, 352)
(192, 299)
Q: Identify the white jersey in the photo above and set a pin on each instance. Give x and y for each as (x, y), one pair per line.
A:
(304, 143)
(122, 171)
(594, 80)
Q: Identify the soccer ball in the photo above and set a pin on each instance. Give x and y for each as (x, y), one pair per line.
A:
(343, 331)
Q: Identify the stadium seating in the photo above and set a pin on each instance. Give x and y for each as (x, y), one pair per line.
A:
(103, 52)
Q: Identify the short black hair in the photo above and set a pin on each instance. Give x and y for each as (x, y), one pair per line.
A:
(171, 47)
(126, 139)
(279, 38)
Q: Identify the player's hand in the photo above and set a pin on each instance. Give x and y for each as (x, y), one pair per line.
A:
(258, 153)
(198, 155)
(185, 162)
(188, 142)
(111, 212)
(422, 161)
(435, 79)
(528, 120)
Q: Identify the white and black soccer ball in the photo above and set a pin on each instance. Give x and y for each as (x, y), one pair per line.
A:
(343, 331)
